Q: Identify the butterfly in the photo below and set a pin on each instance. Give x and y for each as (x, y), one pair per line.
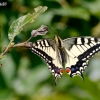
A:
(72, 54)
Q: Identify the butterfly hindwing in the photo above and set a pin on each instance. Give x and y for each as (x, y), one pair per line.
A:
(47, 50)
(80, 50)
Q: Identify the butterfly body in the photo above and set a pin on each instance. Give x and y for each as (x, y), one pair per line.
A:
(71, 53)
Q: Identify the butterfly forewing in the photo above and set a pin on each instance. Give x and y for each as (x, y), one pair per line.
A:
(80, 50)
(47, 50)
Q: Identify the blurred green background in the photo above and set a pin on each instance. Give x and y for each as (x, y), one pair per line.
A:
(24, 75)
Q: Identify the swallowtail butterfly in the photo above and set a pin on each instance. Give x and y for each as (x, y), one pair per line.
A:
(71, 53)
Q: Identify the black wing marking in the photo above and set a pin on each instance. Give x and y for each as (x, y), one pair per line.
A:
(80, 50)
(46, 49)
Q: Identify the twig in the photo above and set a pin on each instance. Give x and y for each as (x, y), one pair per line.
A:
(40, 31)
(23, 44)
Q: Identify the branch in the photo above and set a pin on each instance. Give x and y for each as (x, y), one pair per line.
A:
(24, 44)
(40, 31)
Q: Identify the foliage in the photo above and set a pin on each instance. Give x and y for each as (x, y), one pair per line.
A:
(23, 75)
(17, 27)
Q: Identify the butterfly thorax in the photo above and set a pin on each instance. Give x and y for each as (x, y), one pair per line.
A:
(61, 50)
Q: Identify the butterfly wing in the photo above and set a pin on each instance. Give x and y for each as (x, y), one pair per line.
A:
(79, 51)
(47, 50)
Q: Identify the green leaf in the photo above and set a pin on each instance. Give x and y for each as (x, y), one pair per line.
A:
(17, 25)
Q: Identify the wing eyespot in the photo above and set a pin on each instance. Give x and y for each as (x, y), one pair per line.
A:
(61, 70)
(68, 70)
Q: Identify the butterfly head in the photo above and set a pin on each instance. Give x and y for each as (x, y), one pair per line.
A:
(58, 41)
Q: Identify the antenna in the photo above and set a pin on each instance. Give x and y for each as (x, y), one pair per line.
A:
(52, 29)
(55, 32)
(63, 29)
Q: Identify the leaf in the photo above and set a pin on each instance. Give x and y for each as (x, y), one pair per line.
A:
(17, 25)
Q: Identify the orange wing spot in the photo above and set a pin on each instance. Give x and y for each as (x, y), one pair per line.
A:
(68, 70)
(61, 70)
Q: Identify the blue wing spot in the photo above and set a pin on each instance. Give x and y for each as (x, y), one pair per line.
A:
(77, 68)
(72, 69)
